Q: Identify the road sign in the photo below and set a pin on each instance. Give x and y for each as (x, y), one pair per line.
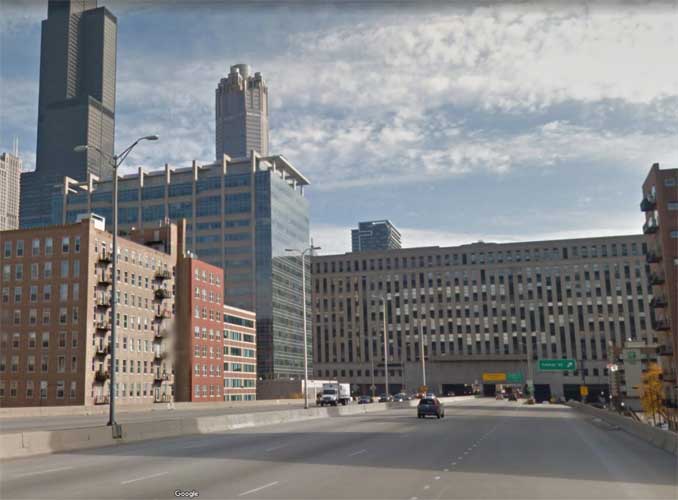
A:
(514, 378)
(494, 377)
(583, 390)
(546, 365)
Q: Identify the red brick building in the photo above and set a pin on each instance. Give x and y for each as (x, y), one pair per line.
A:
(200, 331)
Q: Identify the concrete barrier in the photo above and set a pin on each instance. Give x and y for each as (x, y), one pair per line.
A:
(29, 443)
(660, 438)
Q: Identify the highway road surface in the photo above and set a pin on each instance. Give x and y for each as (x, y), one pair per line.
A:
(53, 423)
(481, 449)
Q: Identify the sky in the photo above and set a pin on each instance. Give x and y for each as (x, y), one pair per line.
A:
(458, 122)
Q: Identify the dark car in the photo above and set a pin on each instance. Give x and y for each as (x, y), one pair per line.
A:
(401, 396)
(512, 397)
(363, 400)
(385, 398)
(430, 406)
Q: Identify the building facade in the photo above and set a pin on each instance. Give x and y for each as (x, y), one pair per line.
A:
(481, 309)
(375, 235)
(660, 205)
(76, 102)
(241, 216)
(240, 354)
(200, 332)
(10, 175)
(241, 112)
(55, 315)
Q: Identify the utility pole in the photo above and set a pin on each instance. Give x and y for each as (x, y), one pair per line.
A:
(421, 350)
(385, 346)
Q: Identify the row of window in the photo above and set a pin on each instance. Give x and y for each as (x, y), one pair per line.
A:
(32, 340)
(34, 296)
(42, 387)
(32, 363)
(239, 367)
(46, 317)
(472, 258)
(47, 271)
(207, 370)
(38, 246)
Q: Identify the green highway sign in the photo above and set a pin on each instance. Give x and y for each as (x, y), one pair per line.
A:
(547, 365)
(514, 377)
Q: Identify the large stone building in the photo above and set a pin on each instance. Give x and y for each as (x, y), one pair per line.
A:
(10, 175)
(481, 309)
(76, 103)
(241, 114)
(375, 235)
(242, 215)
(660, 205)
(55, 315)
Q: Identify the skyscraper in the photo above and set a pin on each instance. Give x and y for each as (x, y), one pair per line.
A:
(76, 104)
(375, 235)
(10, 172)
(241, 110)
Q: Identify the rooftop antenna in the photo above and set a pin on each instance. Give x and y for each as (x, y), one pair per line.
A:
(15, 146)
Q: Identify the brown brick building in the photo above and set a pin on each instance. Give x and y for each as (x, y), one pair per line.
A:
(55, 315)
(660, 205)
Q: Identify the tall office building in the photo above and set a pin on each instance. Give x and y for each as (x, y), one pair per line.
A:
(483, 310)
(375, 235)
(76, 104)
(660, 205)
(241, 216)
(10, 173)
(241, 108)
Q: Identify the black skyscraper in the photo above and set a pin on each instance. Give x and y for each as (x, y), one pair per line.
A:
(77, 103)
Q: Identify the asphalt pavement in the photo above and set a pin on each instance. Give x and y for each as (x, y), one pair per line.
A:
(481, 449)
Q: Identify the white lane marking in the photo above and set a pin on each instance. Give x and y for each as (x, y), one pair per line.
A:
(357, 453)
(454, 463)
(414, 498)
(437, 478)
(460, 458)
(144, 477)
(258, 489)
(426, 487)
(276, 447)
(43, 472)
(466, 453)
(446, 470)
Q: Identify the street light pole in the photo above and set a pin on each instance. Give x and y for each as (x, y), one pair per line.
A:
(115, 161)
(421, 351)
(385, 347)
(303, 253)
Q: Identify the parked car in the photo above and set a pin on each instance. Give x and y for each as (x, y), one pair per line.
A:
(385, 398)
(430, 406)
(363, 400)
(450, 394)
(401, 396)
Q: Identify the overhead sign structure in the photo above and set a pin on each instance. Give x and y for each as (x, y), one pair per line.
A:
(552, 365)
(494, 377)
(514, 378)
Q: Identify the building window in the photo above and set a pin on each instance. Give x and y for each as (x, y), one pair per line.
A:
(60, 389)
(65, 244)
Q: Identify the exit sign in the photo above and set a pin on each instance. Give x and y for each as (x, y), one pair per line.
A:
(551, 365)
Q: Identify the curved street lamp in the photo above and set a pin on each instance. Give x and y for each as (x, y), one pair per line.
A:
(302, 253)
(115, 161)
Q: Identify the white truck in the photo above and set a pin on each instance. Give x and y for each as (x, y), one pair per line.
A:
(334, 394)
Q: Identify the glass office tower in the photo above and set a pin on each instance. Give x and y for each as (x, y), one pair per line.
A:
(241, 216)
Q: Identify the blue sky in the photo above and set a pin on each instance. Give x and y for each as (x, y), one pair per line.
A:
(500, 122)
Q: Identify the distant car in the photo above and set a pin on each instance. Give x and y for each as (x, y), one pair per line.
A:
(430, 406)
(385, 398)
(430, 395)
(512, 397)
(363, 400)
(401, 396)
(450, 394)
